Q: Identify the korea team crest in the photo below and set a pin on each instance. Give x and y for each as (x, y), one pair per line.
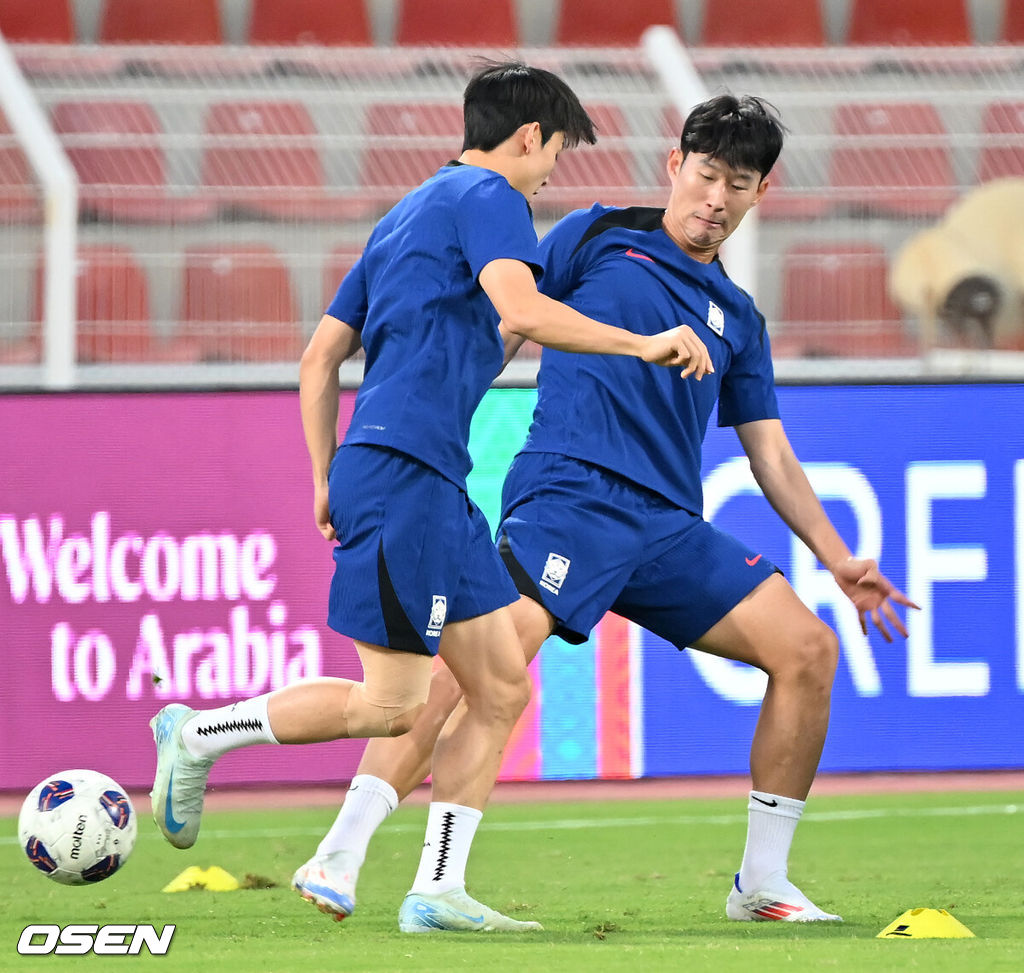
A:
(438, 613)
(716, 319)
(555, 570)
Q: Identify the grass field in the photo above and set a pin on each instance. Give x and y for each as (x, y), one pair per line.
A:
(619, 886)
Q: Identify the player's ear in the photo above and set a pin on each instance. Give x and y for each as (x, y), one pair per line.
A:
(761, 189)
(532, 139)
(674, 162)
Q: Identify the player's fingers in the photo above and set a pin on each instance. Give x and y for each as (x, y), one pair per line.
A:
(880, 625)
(902, 599)
(894, 619)
(863, 622)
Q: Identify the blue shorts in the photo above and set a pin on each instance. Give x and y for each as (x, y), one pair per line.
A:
(414, 552)
(582, 541)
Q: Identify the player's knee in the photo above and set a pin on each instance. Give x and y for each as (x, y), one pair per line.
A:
(367, 715)
(816, 655)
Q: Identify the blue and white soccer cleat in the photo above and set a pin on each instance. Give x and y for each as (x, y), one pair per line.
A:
(177, 793)
(455, 911)
(778, 901)
(329, 882)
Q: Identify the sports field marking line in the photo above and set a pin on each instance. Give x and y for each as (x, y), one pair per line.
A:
(579, 824)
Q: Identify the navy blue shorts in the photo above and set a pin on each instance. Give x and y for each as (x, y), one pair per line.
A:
(414, 552)
(582, 541)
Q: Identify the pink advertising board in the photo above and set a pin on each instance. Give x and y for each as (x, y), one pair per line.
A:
(157, 548)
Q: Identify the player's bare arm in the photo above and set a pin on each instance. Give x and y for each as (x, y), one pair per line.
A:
(526, 312)
(331, 344)
(785, 485)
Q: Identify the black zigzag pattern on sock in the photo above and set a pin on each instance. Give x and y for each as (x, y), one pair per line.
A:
(229, 726)
(447, 826)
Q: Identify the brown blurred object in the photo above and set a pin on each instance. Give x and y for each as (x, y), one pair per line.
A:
(963, 278)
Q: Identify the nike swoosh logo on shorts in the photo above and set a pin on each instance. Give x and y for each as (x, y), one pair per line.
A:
(752, 560)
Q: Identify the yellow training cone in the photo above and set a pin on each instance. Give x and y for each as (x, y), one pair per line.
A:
(926, 924)
(213, 878)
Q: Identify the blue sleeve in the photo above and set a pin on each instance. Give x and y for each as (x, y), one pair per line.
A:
(748, 387)
(493, 223)
(350, 302)
(562, 257)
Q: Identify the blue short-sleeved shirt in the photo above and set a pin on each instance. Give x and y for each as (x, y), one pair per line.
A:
(643, 421)
(429, 331)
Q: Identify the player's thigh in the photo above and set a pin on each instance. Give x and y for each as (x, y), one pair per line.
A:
(486, 657)
(771, 628)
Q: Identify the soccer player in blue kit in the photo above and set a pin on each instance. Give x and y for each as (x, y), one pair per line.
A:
(602, 506)
(417, 574)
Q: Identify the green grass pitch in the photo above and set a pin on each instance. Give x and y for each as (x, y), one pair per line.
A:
(620, 886)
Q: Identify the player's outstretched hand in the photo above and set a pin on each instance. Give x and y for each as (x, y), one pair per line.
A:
(872, 594)
(679, 346)
(321, 511)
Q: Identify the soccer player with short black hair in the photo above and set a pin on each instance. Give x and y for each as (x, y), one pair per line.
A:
(416, 572)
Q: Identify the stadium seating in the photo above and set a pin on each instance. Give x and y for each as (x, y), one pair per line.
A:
(19, 201)
(1012, 29)
(137, 22)
(116, 149)
(760, 23)
(891, 159)
(37, 21)
(883, 22)
(407, 142)
(340, 22)
(262, 159)
(610, 23)
(457, 22)
(237, 304)
(835, 303)
(1002, 152)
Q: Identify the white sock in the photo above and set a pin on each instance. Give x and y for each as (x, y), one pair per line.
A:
(450, 832)
(367, 804)
(771, 824)
(213, 732)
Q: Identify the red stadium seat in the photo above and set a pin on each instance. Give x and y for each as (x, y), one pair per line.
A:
(760, 23)
(262, 158)
(117, 150)
(407, 142)
(1012, 31)
(37, 21)
(891, 159)
(610, 23)
(19, 195)
(457, 22)
(340, 22)
(238, 305)
(835, 303)
(908, 22)
(592, 173)
(1002, 147)
(138, 22)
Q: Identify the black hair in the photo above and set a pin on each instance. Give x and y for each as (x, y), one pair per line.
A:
(505, 95)
(743, 132)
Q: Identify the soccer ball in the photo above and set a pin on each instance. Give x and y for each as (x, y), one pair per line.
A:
(77, 827)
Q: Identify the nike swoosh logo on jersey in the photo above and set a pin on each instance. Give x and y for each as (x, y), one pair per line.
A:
(752, 560)
(642, 256)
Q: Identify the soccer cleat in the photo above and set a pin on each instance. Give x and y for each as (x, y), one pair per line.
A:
(177, 793)
(782, 902)
(329, 882)
(455, 911)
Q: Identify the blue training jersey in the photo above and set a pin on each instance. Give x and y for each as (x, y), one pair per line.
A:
(643, 421)
(428, 328)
